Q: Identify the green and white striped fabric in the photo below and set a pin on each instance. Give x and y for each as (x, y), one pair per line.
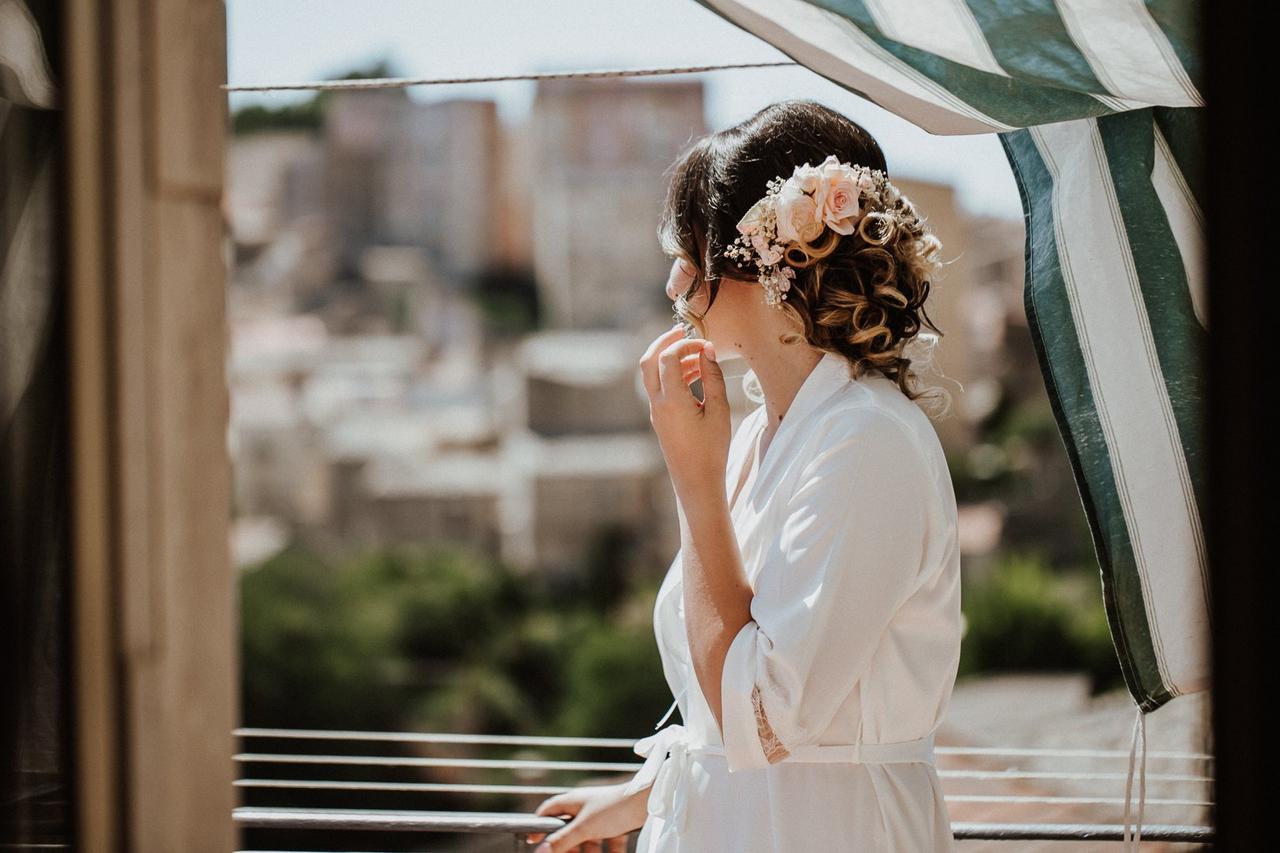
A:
(1097, 106)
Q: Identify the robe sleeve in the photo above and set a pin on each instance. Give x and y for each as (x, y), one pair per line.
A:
(848, 554)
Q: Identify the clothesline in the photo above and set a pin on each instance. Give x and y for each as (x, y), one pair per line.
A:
(406, 82)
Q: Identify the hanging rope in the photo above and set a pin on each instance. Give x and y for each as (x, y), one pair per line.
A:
(406, 82)
(1139, 736)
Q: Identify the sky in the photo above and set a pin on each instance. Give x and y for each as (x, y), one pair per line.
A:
(284, 41)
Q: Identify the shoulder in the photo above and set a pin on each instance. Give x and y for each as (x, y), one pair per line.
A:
(871, 425)
(871, 410)
(856, 437)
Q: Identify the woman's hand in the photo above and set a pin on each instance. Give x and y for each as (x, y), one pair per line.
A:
(694, 436)
(602, 816)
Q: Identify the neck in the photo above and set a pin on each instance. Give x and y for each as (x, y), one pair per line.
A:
(781, 369)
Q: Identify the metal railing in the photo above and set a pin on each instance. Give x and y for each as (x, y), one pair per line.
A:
(1078, 800)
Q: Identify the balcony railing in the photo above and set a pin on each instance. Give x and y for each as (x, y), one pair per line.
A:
(300, 780)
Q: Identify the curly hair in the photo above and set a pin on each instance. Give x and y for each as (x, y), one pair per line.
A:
(860, 295)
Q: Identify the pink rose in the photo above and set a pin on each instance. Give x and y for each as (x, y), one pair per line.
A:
(841, 191)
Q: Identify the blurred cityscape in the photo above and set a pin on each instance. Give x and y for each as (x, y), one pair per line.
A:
(450, 511)
(436, 321)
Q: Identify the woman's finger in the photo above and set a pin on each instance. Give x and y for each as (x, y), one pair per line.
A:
(561, 805)
(671, 365)
(692, 366)
(714, 392)
(649, 361)
(564, 839)
(558, 805)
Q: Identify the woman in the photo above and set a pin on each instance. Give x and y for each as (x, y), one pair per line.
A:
(810, 625)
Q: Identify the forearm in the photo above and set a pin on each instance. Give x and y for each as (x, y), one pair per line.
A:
(717, 597)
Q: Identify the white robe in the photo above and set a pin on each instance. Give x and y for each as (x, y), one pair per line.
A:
(833, 691)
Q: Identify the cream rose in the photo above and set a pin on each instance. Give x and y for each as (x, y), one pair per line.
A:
(807, 178)
(799, 217)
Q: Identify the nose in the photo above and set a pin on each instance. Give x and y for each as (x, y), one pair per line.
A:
(680, 278)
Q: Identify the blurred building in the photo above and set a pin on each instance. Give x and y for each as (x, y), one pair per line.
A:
(579, 441)
(432, 175)
(446, 186)
(272, 180)
(601, 148)
(998, 318)
(384, 169)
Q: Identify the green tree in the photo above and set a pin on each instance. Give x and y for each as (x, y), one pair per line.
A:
(1026, 616)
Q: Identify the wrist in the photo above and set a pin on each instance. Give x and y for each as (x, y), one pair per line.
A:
(637, 805)
(701, 498)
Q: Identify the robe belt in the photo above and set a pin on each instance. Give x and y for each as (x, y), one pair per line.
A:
(665, 767)
(667, 754)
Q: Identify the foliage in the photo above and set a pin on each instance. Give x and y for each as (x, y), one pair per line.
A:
(1024, 616)
(308, 658)
(1014, 438)
(443, 640)
(259, 118)
(615, 670)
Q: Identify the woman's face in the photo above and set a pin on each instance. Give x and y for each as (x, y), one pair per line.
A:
(726, 321)
(680, 280)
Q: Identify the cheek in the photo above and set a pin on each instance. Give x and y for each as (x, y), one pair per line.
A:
(679, 279)
(679, 284)
(697, 300)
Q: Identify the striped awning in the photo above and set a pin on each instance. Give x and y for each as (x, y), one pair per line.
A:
(1097, 106)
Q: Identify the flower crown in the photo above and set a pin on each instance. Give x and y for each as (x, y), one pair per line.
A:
(796, 211)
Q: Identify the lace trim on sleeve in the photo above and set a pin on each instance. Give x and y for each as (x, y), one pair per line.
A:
(774, 751)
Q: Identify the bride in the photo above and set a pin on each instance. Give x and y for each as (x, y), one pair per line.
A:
(810, 624)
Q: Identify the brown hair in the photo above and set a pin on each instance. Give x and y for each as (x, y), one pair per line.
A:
(862, 298)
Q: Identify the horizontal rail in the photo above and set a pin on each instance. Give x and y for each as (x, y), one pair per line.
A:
(1068, 753)
(1078, 832)
(261, 817)
(633, 766)
(518, 825)
(404, 761)
(974, 775)
(458, 788)
(629, 743)
(1005, 775)
(1016, 799)
(402, 787)
(510, 823)
(433, 737)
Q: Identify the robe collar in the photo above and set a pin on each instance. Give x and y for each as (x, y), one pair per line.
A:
(831, 374)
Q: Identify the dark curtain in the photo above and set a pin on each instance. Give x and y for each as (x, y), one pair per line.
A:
(35, 568)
